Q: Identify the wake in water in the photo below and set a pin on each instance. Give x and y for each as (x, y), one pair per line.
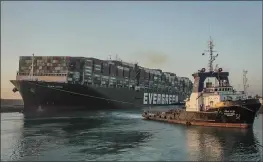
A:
(125, 115)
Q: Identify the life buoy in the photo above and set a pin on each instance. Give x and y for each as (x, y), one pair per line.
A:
(203, 70)
(220, 69)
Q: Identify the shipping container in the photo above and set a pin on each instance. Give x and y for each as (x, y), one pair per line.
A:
(128, 65)
(97, 79)
(132, 74)
(112, 81)
(126, 72)
(119, 72)
(105, 80)
(112, 70)
(142, 74)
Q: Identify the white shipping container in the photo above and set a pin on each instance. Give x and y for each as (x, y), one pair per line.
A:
(120, 67)
(88, 74)
(88, 67)
(88, 71)
(126, 69)
(75, 76)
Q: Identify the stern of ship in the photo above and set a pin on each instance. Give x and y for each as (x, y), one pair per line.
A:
(241, 111)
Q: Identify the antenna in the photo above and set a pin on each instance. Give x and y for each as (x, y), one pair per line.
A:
(31, 74)
(245, 81)
(212, 56)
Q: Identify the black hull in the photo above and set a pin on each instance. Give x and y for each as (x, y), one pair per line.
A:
(233, 116)
(51, 98)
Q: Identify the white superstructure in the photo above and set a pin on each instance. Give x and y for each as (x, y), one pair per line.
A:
(203, 97)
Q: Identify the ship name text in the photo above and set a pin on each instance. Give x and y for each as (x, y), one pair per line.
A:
(52, 86)
(153, 98)
(229, 112)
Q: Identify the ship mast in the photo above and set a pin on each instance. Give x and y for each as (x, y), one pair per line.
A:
(245, 81)
(211, 54)
(31, 74)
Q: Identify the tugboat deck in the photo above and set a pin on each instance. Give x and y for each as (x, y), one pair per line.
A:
(199, 122)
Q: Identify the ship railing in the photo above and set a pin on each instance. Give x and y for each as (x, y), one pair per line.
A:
(42, 74)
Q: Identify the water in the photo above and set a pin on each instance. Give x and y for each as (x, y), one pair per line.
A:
(123, 135)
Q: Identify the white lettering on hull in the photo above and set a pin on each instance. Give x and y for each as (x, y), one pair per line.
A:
(154, 98)
(229, 112)
(160, 99)
(145, 98)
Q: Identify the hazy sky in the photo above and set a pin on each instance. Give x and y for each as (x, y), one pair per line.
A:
(175, 34)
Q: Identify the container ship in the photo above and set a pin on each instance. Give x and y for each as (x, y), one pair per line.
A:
(54, 84)
(214, 102)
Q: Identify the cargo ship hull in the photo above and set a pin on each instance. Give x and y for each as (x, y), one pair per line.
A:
(52, 98)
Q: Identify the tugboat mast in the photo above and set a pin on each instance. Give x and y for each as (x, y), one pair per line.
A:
(211, 54)
(245, 81)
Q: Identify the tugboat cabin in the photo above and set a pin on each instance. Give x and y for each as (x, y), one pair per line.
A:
(208, 95)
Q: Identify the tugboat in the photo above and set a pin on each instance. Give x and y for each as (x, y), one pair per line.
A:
(217, 105)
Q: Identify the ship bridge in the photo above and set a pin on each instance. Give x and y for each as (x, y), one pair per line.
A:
(222, 78)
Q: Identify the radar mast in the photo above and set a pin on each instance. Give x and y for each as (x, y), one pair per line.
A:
(212, 57)
(245, 81)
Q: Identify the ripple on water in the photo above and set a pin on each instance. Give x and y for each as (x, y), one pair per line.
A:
(123, 136)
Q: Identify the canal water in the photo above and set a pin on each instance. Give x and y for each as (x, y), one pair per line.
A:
(123, 135)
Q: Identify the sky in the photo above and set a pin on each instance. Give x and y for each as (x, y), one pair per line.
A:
(158, 34)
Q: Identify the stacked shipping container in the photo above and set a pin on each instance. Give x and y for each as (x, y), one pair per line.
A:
(45, 65)
(102, 72)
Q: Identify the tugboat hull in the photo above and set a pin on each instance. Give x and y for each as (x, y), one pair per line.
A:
(241, 116)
